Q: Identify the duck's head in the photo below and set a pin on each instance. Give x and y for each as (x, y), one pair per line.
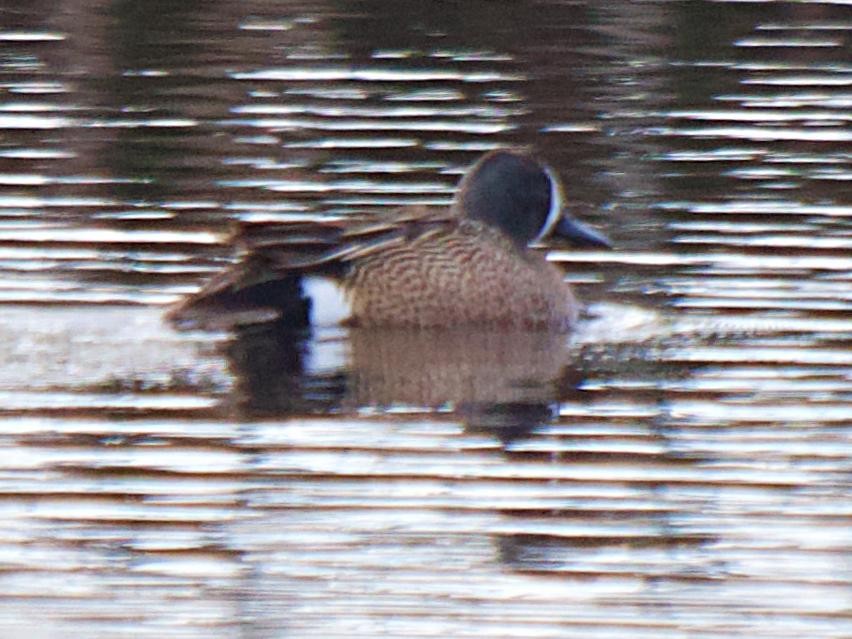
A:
(522, 197)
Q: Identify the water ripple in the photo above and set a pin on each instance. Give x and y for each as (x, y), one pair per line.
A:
(374, 75)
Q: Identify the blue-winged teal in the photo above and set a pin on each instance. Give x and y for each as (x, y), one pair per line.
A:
(469, 265)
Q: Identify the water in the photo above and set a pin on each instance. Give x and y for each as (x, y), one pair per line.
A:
(679, 467)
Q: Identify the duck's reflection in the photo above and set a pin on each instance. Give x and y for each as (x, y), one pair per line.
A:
(504, 383)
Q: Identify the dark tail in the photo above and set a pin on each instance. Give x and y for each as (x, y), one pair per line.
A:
(252, 291)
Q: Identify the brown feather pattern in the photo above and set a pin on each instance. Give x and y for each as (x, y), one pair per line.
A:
(424, 267)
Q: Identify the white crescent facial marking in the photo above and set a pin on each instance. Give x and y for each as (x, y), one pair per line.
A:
(555, 211)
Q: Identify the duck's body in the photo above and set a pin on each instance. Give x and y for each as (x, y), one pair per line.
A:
(467, 273)
(470, 265)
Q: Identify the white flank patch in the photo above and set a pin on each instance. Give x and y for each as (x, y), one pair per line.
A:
(329, 304)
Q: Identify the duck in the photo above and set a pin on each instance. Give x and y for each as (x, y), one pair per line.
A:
(476, 263)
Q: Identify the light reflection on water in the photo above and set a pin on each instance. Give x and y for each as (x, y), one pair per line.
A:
(678, 467)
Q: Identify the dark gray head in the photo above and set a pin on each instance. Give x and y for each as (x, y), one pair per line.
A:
(522, 197)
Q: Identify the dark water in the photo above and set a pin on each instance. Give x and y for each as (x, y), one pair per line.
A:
(680, 467)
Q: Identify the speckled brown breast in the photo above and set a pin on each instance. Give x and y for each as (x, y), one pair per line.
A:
(470, 274)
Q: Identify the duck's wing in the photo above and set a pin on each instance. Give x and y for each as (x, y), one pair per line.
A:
(261, 285)
(330, 249)
(264, 284)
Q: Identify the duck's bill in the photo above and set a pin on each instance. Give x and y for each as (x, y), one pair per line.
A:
(580, 234)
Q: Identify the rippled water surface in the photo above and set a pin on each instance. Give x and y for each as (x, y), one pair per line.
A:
(681, 466)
